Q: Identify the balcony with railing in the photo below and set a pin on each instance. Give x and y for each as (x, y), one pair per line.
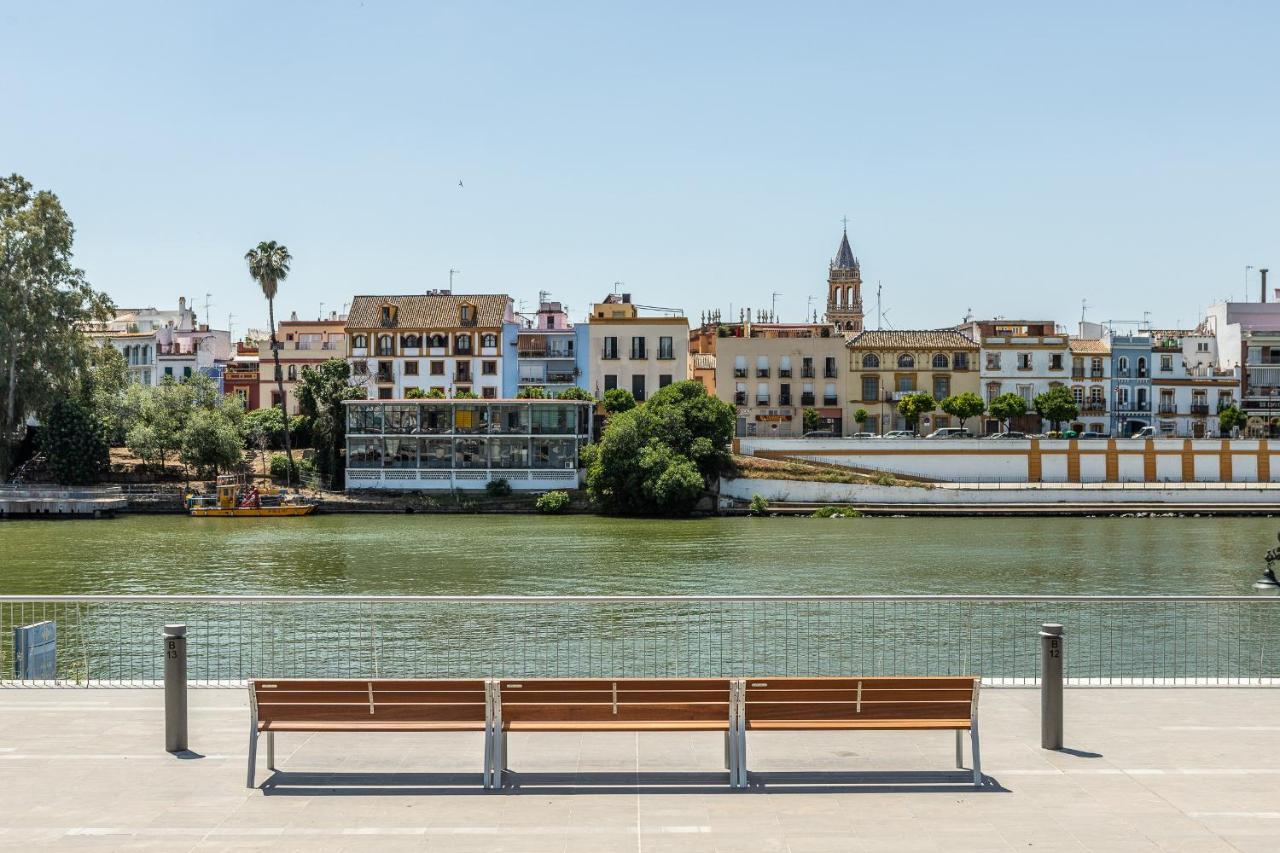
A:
(829, 373)
(1199, 408)
(740, 398)
(784, 399)
(806, 399)
(784, 372)
(1093, 406)
(762, 399)
(384, 377)
(762, 373)
(806, 372)
(1077, 373)
(1168, 408)
(639, 353)
(830, 400)
(739, 373)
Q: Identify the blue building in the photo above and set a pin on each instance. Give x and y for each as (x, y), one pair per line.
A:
(550, 352)
(1131, 383)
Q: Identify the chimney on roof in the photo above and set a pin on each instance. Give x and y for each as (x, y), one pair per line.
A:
(1263, 272)
(626, 298)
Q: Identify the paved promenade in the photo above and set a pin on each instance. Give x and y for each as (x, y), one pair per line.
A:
(1156, 769)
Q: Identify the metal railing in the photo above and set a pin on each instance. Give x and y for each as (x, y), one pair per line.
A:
(1114, 640)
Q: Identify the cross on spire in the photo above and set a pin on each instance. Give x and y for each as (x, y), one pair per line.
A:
(844, 220)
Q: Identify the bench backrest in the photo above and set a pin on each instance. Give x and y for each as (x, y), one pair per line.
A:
(370, 700)
(861, 699)
(587, 700)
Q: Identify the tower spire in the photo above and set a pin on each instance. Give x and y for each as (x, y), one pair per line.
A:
(844, 286)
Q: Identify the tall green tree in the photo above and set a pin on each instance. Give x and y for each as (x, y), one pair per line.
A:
(1006, 407)
(269, 265)
(618, 400)
(1230, 419)
(1057, 405)
(963, 406)
(915, 405)
(322, 391)
(74, 443)
(659, 458)
(45, 303)
(102, 389)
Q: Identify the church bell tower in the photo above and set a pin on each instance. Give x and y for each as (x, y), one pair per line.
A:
(844, 289)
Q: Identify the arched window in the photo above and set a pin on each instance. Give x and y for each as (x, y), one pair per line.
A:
(293, 373)
(439, 341)
(462, 343)
(360, 341)
(411, 340)
(1142, 367)
(870, 361)
(939, 361)
(1077, 394)
(384, 345)
(1122, 365)
(906, 360)
(489, 340)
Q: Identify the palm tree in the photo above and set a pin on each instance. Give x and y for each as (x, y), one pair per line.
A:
(269, 265)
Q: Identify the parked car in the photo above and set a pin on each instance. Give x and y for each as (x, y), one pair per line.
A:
(1008, 434)
(820, 433)
(1090, 434)
(950, 432)
(864, 435)
(1145, 432)
(899, 433)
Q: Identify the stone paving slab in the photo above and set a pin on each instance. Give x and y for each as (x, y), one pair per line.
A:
(1147, 769)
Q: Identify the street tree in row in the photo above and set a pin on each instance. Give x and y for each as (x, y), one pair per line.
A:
(322, 391)
(915, 405)
(1057, 405)
(963, 406)
(45, 305)
(1231, 419)
(1006, 407)
(269, 265)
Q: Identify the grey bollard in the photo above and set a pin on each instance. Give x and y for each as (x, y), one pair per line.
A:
(175, 688)
(1051, 656)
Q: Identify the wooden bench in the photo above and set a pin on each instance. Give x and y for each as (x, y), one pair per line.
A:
(825, 704)
(612, 705)
(368, 705)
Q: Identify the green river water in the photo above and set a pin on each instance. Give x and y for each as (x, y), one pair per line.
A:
(534, 555)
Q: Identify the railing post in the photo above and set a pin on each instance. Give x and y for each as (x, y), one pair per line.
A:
(1051, 656)
(175, 688)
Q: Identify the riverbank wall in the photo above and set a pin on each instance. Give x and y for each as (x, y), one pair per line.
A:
(1011, 499)
(55, 502)
(1039, 460)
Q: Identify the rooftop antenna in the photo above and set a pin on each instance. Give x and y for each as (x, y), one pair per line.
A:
(1084, 306)
(773, 309)
(1246, 281)
(808, 306)
(321, 311)
(1146, 319)
(879, 312)
(230, 337)
(452, 273)
(207, 315)
(885, 317)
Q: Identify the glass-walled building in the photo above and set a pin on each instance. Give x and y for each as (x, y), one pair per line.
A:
(464, 444)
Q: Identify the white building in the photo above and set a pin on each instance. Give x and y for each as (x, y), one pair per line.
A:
(1020, 357)
(160, 343)
(1188, 387)
(638, 353)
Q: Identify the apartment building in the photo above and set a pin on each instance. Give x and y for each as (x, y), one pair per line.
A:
(640, 353)
(772, 372)
(1023, 357)
(450, 342)
(551, 351)
(1188, 389)
(1091, 383)
(885, 365)
(1248, 340)
(161, 343)
(300, 343)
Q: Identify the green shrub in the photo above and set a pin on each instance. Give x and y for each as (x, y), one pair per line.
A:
(575, 393)
(552, 503)
(279, 463)
(887, 480)
(498, 488)
(835, 512)
(759, 506)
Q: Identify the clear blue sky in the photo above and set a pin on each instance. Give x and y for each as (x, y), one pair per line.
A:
(1009, 158)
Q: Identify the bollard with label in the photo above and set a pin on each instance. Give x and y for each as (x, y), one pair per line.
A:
(1051, 657)
(175, 688)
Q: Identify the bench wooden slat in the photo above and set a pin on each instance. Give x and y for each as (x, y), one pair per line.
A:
(515, 684)
(626, 725)
(854, 725)
(377, 726)
(882, 682)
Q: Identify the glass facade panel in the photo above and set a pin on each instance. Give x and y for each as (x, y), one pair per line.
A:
(400, 420)
(554, 453)
(364, 419)
(471, 419)
(435, 418)
(511, 418)
(553, 420)
(401, 452)
(509, 452)
(470, 453)
(435, 453)
(364, 453)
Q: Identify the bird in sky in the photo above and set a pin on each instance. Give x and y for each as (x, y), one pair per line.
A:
(459, 182)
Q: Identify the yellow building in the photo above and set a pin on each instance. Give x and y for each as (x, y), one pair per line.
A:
(885, 365)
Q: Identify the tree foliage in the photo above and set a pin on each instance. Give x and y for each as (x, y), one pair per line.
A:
(74, 443)
(532, 392)
(101, 390)
(269, 265)
(618, 400)
(915, 405)
(45, 303)
(1230, 419)
(576, 393)
(811, 420)
(963, 406)
(1056, 405)
(860, 417)
(659, 458)
(322, 391)
(1006, 407)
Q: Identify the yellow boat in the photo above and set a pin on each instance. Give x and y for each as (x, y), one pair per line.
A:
(236, 500)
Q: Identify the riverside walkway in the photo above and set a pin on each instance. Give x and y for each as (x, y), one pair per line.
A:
(1146, 769)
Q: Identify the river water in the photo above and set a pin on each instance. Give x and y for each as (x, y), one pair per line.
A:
(534, 555)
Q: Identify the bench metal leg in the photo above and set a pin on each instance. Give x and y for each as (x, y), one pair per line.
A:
(729, 763)
(488, 756)
(977, 760)
(271, 750)
(959, 749)
(499, 759)
(741, 781)
(253, 750)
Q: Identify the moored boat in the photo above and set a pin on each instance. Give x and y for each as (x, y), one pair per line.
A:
(236, 499)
